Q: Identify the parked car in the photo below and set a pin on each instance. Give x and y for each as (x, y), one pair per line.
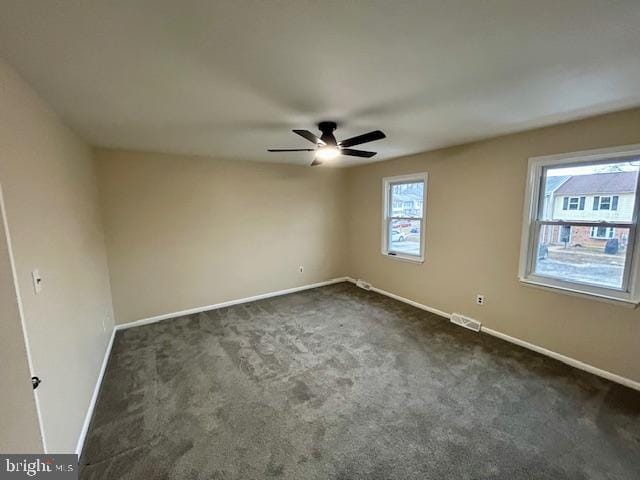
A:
(543, 252)
(401, 224)
(397, 236)
(414, 230)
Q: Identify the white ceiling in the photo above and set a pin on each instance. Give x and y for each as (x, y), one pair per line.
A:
(232, 78)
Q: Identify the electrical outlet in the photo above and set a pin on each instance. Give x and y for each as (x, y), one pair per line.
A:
(480, 299)
(301, 268)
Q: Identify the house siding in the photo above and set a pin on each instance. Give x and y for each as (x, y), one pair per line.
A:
(624, 211)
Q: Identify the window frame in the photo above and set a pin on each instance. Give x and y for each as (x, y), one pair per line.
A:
(609, 233)
(630, 291)
(387, 216)
(579, 203)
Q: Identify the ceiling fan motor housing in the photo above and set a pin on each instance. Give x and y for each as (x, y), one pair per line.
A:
(327, 129)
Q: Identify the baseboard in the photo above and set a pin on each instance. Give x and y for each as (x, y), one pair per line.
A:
(412, 303)
(530, 346)
(564, 359)
(262, 296)
(94, 396)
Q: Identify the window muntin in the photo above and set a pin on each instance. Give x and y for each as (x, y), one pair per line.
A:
(588, 250)
(403, 217)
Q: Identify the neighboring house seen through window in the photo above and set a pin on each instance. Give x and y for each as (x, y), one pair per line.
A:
(586, 250)
(403, 216)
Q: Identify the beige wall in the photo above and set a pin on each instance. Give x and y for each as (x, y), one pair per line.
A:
(473, 226)
(185, 232)
(50, 191)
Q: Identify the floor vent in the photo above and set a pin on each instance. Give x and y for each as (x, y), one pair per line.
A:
(364, 285)
(466, 322)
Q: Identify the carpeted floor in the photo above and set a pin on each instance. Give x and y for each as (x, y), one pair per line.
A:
(340, 383)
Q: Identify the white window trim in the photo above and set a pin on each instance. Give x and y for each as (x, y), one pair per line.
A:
(593, 233)
(609, 202)
(631, 293)
(415, 177)
(571, 203)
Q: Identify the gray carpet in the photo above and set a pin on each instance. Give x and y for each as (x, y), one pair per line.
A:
(340, 383)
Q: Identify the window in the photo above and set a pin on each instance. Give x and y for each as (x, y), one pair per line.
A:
(605, 203)
(602, 232)
(573, 203)
(590, 251)
(403, 216)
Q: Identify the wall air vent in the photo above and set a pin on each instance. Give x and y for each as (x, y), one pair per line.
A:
(364, 285)
(466, 322)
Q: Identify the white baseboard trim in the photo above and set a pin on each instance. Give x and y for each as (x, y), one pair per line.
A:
(405, 300)
(564, 359)
(412, 303)
(215, 306)
(94, 396)
(530, 346)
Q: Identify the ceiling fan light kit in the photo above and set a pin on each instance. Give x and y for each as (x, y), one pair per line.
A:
(328, 148)
(327, 153)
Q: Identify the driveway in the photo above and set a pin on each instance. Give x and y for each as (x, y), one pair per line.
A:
(410, 246)
(598, 273)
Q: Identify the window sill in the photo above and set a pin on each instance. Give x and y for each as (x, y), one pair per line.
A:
(576, 292)
(404, 258)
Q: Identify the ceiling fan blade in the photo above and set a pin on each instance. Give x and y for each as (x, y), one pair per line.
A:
(309, 136)
(364, 138)
(291, 150)
(316, 162)
(356, 153)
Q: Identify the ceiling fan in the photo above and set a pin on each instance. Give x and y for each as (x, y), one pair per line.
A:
(328, 148)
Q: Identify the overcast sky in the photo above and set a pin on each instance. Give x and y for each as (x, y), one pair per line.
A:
(591, 169)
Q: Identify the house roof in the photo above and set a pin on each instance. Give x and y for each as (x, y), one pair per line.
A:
(617, 182)
(554, 182)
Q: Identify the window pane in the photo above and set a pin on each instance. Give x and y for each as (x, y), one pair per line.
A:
(593, 255)
(407, 199)
(404, 236)
(603, 192)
